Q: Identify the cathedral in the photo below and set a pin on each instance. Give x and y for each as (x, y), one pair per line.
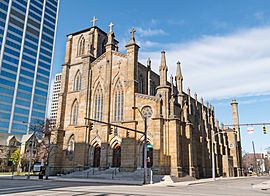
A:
(101, 83)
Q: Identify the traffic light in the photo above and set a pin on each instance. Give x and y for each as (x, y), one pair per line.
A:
(264, 130)
(111, 131)
(91, 126)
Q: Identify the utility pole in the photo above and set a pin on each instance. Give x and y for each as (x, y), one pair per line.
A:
(145, 151)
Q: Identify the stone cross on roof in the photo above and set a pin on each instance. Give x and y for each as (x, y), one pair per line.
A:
(132, 31)
(94, 20)
(111, 27)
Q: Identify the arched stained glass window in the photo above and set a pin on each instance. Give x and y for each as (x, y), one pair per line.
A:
(77, 82)
(98, 108)
(81, 46)
(74, 113)
(118, 102)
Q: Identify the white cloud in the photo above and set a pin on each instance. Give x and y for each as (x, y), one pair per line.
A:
(147, 43)
(149, 32)
(217, 67)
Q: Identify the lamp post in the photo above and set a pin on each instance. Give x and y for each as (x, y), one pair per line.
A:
(144, 117)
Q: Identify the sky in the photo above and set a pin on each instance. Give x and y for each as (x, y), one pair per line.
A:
(223, 47)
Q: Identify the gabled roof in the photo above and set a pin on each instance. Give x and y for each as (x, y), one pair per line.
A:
(88, 29)
(26, 138)
(6, 137)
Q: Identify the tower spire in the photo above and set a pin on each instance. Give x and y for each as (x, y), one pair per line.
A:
(163, 69)
(179, 83)
(179, 78)
(171, 79)
(178, 71)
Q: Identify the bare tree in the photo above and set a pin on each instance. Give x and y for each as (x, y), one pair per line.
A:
(43, 131)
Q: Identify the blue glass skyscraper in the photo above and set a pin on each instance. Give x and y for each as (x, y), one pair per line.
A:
(27, 36)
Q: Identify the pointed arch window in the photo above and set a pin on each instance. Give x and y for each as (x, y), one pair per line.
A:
(140, 84)
(118, 102)
(77, 82)
(71, 144)
(70, 147)
(81, 46)
(98, 103)
(74, 113)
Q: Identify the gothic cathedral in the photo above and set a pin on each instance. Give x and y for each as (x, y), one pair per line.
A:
(101, 83)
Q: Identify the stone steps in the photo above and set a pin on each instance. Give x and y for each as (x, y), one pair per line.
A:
(112, 173)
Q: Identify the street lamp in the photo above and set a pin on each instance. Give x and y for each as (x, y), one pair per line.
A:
(144, 117)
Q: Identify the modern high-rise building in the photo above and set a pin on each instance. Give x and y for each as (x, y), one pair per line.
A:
(27, 39)
(55, 98)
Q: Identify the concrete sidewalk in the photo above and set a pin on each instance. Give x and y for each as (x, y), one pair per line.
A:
(85, 180)
(192, 182)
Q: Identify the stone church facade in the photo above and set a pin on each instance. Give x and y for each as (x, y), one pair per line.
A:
(101, 83)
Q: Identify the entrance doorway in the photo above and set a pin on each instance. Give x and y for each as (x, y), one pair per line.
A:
(116, 162)
(96, 161)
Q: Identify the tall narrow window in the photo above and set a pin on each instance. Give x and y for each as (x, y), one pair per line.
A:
(140, 84)
(98, 111)
(81, 46)
(74, 113)
(118, 102)
(77, 82)
(71, 145)
(152, 88)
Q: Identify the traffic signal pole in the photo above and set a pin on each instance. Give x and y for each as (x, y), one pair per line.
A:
(251, 124)
(248, 124)
(114, 125)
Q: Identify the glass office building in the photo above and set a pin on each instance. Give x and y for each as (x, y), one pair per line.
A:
(27, 36)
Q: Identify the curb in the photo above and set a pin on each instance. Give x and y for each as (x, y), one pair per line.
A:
(116, 182)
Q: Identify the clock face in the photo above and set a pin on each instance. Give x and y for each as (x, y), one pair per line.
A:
(147, 111)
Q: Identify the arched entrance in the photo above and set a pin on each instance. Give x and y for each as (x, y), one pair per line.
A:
(96, 160)
(116, 162)
(150, 156)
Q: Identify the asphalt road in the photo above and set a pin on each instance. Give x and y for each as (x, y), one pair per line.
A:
(235, 187)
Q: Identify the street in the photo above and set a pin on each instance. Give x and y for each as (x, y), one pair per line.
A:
(241, 186)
